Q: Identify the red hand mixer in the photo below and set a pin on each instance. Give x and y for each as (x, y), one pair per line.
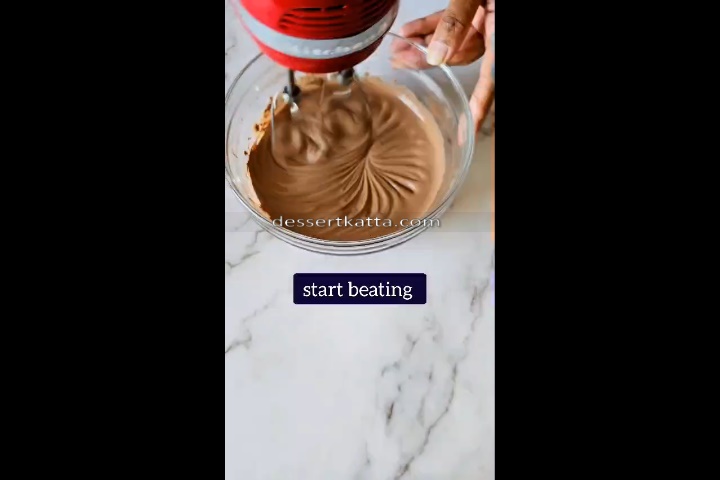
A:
(317, 36)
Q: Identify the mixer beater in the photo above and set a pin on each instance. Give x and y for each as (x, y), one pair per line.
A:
(291, 95)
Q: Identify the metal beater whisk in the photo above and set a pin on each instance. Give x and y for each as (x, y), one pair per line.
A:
(291, 94)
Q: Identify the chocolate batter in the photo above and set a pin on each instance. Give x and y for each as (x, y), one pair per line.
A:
(348, 166)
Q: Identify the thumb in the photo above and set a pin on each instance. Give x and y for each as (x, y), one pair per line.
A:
(451, 30)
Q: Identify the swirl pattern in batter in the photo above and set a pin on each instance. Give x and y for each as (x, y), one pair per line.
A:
(349, 166)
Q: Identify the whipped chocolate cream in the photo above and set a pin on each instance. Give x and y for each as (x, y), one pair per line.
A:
(348, 166)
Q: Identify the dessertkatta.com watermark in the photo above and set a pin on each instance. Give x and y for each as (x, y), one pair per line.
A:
(450, 222)
(350, 222)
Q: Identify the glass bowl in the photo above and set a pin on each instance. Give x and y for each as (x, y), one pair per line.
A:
(436, 88)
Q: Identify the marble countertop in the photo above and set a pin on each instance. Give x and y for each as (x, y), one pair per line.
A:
(332, 392)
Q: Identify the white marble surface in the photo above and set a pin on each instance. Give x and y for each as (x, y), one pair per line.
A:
(362, 392)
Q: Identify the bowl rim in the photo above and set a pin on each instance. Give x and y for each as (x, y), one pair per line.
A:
(441, 208)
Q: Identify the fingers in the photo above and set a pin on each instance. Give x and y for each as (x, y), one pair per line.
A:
(417, 29)
(492, 176)
(411, 57)
(484, 93)
(421, 26)
(472, 49)
(451, 30)
(400, 46)
(422, 31)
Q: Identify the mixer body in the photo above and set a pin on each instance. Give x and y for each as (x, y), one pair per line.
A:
(317, 36)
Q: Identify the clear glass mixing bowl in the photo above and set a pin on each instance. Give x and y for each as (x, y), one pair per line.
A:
(436, 88)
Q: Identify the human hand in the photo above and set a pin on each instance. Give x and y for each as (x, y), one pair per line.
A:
(459, 35)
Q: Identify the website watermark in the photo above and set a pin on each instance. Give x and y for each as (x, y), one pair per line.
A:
(450, 222)
(349, 222)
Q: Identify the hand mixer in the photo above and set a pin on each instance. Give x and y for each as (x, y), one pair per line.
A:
(316, 36)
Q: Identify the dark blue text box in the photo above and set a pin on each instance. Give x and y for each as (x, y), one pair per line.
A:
(360, 288)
